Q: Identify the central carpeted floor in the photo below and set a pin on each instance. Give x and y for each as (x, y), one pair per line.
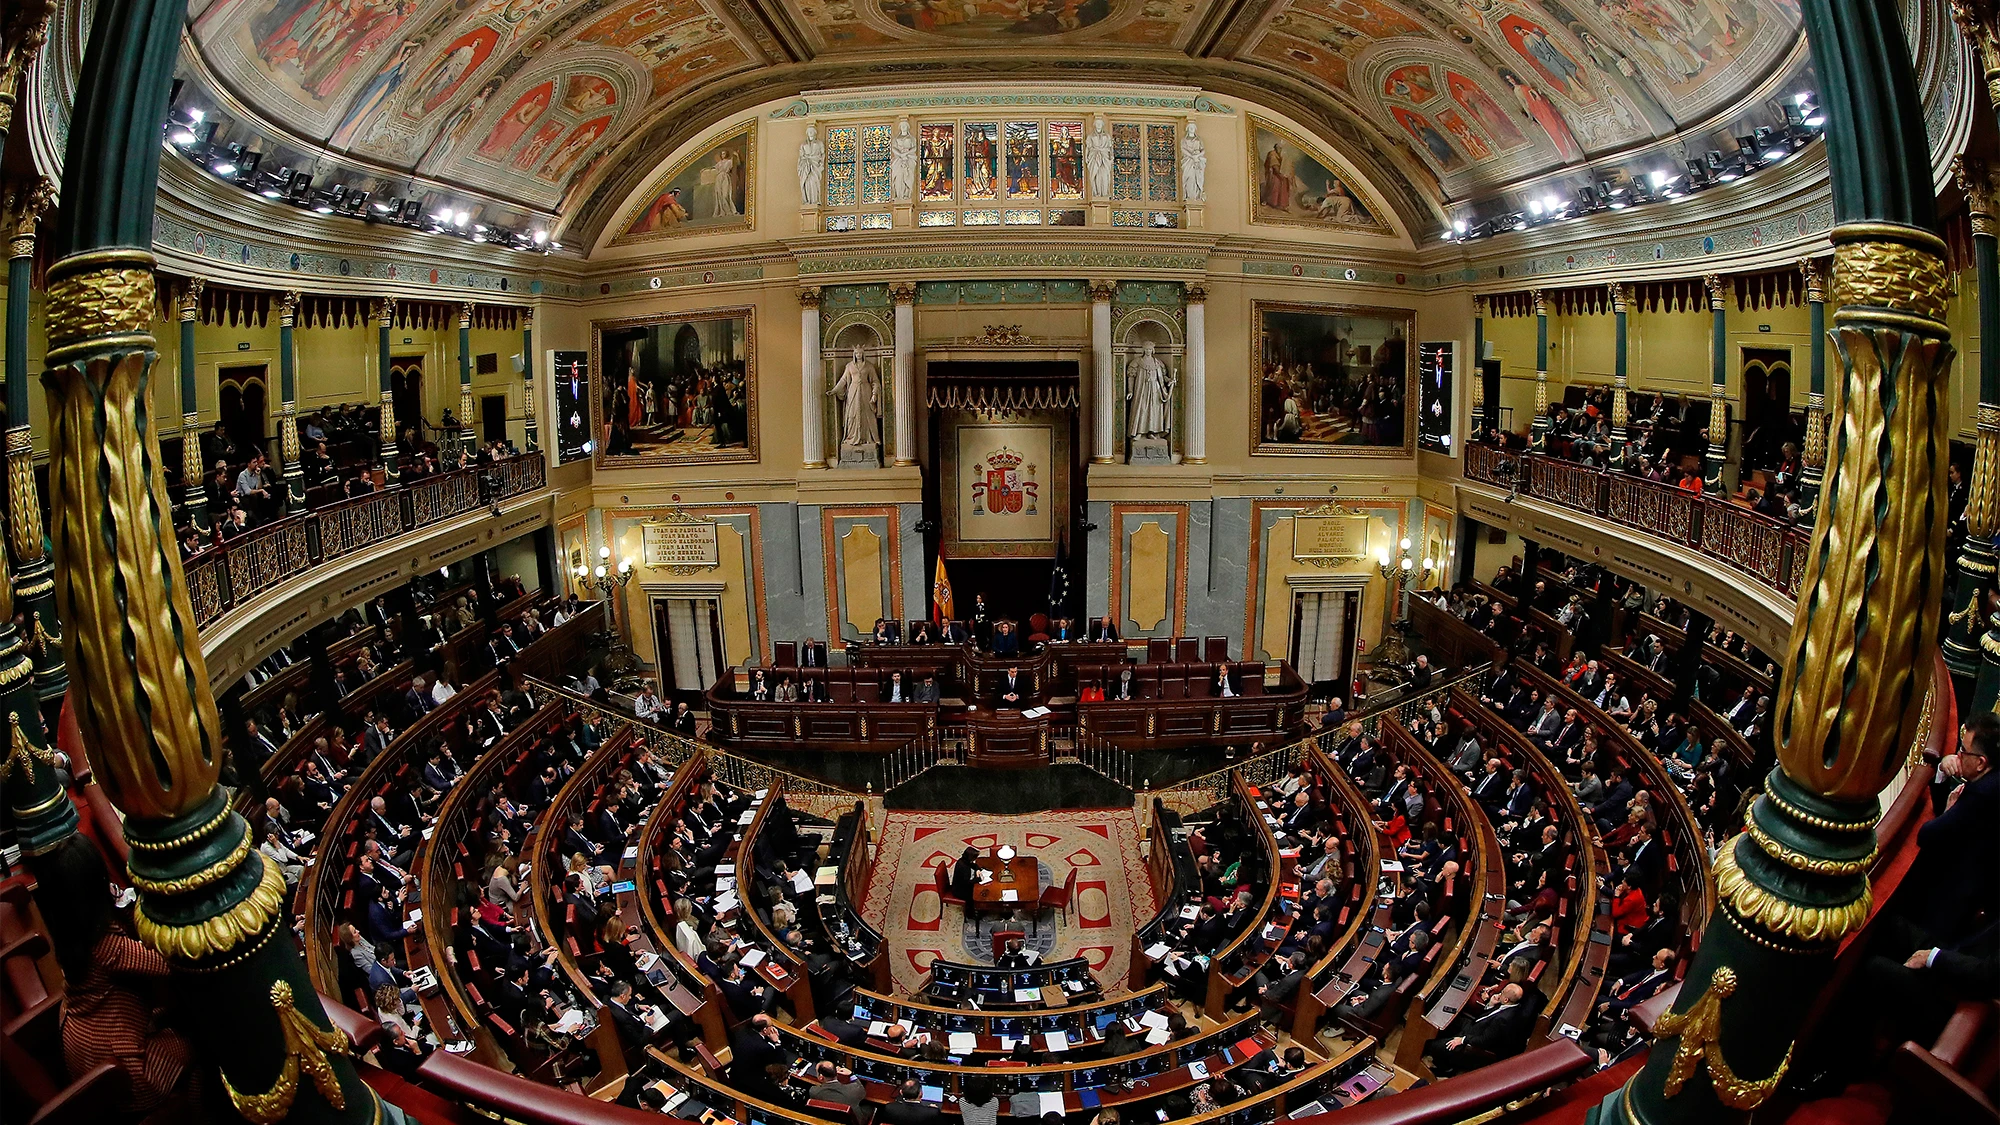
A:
(1101, 844)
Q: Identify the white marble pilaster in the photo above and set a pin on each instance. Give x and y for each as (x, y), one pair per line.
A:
(905, 296)
(1103, 401)
(1194, 379)
(812, 382)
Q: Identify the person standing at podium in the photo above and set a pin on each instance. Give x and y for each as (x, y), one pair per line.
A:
(1011, 688)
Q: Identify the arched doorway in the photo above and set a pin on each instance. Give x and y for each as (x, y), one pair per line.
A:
(406, 390)
(243, 404)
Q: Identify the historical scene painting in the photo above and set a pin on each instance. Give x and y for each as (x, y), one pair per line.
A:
(996, 20)
(708, 192)
(1294, 187)
(1336, 379)
(676, 389)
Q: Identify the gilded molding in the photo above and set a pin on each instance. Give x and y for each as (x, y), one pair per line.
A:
(220, 933)
(1815, 280)
(23, 754)
(385, 312)
(1541, 302)
(465, 315)
(1479, 305)
(24, 530)
(1103, 291)
(1700, 1032)
(1888, 269)
(1799, 861)
(1196, 294)
(1621, 296)
(1779, 915)
(809, 297)
(189, 299)
(186, 838)
(1976, 181)
(207, 876)
(26, 203)
(903, 293)
(288, 308)
(1716, 289)
(306, 1049)
(98, 295)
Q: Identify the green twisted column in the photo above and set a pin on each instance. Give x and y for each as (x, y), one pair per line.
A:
(34, 583)
(208, 900)
(465, 374)
(1812, 460)
(1538, 431)
(1621, 384)
(1795, 882)
(194, 498)
(288, 412)
(528, 379)
(1718, 387)
(385, 319)
(1478, 378)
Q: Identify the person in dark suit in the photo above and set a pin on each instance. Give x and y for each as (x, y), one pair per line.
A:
(1104, 629)
(909, 1109)
(955, 633)
(754, 1048)
(1501, 1032)
(1957, 869)
(627, 1017)
(927, 692)
(1126, 687)
(809, 655)
(964, 872)
(1012, 689)
(1492, 787)
(1006, 642)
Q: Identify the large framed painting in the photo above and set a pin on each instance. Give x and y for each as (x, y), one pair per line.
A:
(710, 192)
(1336, 380)
(1293, 186)
(675, 389)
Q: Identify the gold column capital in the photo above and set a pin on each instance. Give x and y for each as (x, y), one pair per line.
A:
(465, 315)
(809, 297)
(385, 311)
(1196, 294)
(1541, 300)
(1815, 277)
(903, 293)
(1975, 179)
(22, 35)
(26, 202)
(190, 299)
(1479, 304)
(1102, 291)
(1717, 289)
(288, 308)
(528, 318)
(1621, 296)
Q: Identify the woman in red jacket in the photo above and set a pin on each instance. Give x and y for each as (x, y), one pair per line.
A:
(1628, 908)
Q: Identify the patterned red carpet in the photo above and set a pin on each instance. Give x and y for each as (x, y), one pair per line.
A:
(1101, 844)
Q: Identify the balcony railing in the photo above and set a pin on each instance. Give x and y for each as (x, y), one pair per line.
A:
(1767, 550)
(230, 574)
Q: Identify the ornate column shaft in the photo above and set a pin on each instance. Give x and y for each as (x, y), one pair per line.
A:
(528, 379)
(23, 30)
(465, 433)
(812, 382)
(1103, 401)
(904, 295)
(1538, 436)
(1478, 372)
(34, 584)
(1718, 387)
(1812, 461)
(1621, 384)
(1194, 379)
(288, 412)
(211, 903)
(385, 319)
(1795, 882)
(194, 497)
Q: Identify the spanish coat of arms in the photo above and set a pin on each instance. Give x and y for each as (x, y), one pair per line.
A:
(1008, 487)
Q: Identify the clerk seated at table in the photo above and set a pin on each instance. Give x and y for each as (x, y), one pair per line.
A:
(923, 634)
(1063, 629)
(927, 692)
(896, 691)
(1103, 629)
(887, 632)
(1016, 956)
(955, 633)
(1013, 689)
(1006, 642)
(965, 873)
(1127, 686)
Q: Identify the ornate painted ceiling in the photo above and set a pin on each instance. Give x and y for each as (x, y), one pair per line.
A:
(565, 104)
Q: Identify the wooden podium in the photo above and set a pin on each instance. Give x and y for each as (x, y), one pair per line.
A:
(1006, 740)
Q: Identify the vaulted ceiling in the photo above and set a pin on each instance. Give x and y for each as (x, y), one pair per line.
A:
(566, 104)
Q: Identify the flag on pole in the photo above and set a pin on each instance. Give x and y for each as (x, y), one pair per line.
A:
(941, 595)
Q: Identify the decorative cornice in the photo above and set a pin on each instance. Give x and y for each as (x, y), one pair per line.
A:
(1101, 292)
(1196, 293)
(903, 293)
(977, 258)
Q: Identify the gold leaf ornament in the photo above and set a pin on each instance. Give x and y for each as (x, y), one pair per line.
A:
(306, 1050)
(1700, 1032)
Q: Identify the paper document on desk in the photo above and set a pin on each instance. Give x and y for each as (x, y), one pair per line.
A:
(985, 877)
(570, 1021)
(878, 1029)
(1010, 896)
(963, 1042)
(801, 882)
(760, 794)
(748, 816)
(1191, 911)
(725, 869)
(1049, 1102)
(1056, 1040)
(1153, 1020)
(1158, 1036)
(752, 958)
(1156, 950)
(655, 1019)
(827, 876)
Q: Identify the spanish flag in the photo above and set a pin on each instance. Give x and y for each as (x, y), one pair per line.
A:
(941, 595)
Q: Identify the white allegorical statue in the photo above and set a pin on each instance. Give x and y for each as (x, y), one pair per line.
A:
(1148, 391)
(1097, 160)
(902, 163)
(859, 390)
(812, 166)
(1194, 167)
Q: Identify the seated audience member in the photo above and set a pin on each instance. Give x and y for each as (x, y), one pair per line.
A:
(1499, 1032)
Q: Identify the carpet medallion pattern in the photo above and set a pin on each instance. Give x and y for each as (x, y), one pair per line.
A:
(1102, 845)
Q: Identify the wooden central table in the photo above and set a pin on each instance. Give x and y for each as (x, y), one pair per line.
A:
(1022, 875)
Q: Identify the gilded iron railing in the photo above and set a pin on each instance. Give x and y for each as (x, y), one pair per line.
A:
(229, 574)
(1768, 550)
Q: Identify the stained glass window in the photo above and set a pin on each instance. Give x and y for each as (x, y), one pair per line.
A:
(983, 218)
(934, 169)
(875, 163)
(936, 218)
(840, 151)
(1125, 163)
(1065, 160)
(1128, 218)
(1024, 160)
(1024, 218)
(1162, 172)
(840, 222)
(878, 221)
(982, 154)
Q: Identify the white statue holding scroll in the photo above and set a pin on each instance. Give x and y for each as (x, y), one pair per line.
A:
(1097, 160)
(812, 166)
(1149, 392)
(859, 390)
(1194, 167)
(902, 163)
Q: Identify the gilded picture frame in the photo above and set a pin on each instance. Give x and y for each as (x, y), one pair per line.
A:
(702, 365)
(683, 174)
(1319, 394)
